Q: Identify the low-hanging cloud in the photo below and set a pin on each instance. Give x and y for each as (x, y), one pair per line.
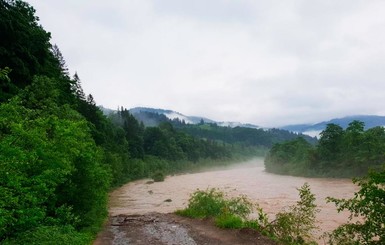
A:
(265, 62)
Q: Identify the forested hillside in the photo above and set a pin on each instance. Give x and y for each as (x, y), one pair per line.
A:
(245, 136)
(349, 152)
(241, 135)
(370, 121)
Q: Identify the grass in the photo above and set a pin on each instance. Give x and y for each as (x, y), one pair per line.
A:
(229, 221)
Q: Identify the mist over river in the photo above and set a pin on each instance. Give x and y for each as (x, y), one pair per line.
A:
(272, 192)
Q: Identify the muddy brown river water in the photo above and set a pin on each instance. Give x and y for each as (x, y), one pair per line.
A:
(272, 192)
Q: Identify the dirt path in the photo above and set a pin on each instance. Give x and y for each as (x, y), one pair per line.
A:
(170, 229)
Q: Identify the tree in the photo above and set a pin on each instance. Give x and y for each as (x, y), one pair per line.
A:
(291, 157)
(50, 168)
(330, 143)
(353, 137)
(7, 89)
(373, 146)
(295, 226)
(24, 45)
(133, 133)
(368, 204)
(60, 59)
(77, 89)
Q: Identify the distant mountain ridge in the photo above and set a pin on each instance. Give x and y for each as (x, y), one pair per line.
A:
(171, 114)
(369, 120)
(140, 111)
(309, 129)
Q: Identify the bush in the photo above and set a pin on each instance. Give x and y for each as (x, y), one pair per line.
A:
(290, 227)
(296, 224)
(203, 204)
(158, 176)
(213, 203)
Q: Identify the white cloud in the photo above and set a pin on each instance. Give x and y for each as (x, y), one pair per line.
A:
(265, 62)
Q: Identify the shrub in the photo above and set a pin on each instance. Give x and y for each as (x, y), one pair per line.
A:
(295, 225)
(158, 176)
(213, 203)
(290, 227)
(203, 204)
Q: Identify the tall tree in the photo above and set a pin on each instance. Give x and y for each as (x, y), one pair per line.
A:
(330, 143)
(24, 45)
(50, 168)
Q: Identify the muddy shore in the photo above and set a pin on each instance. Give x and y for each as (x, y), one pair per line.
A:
(171, 229)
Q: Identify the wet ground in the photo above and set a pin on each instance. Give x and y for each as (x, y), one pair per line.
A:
(170, 229)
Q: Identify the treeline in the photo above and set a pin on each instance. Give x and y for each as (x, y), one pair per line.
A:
(242, 140)
(241, 135)
(59, 155)
(144, 150)
(349, 152)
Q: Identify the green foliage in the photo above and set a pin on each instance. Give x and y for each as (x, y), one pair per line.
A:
(213, 203)
(229, 221)
(24, 47)
(368, 207)
(50, 235)
(167, 143)
(295, 225)
(4, 74)
(6, 87)
(339, 153)
(330, 143)
(202, 204)
(240, 135)
(158, 176)
(291, 157)
(51, 171)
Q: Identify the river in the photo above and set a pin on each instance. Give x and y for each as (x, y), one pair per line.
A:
(272, 192)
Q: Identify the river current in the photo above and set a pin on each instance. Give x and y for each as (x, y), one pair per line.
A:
(272, 192)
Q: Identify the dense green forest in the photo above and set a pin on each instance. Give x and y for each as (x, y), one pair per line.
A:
(349, 152)
(242, 136)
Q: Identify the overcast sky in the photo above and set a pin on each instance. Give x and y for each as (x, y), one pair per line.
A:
(269, 63)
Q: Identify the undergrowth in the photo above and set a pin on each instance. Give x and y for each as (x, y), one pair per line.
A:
(48, 235)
